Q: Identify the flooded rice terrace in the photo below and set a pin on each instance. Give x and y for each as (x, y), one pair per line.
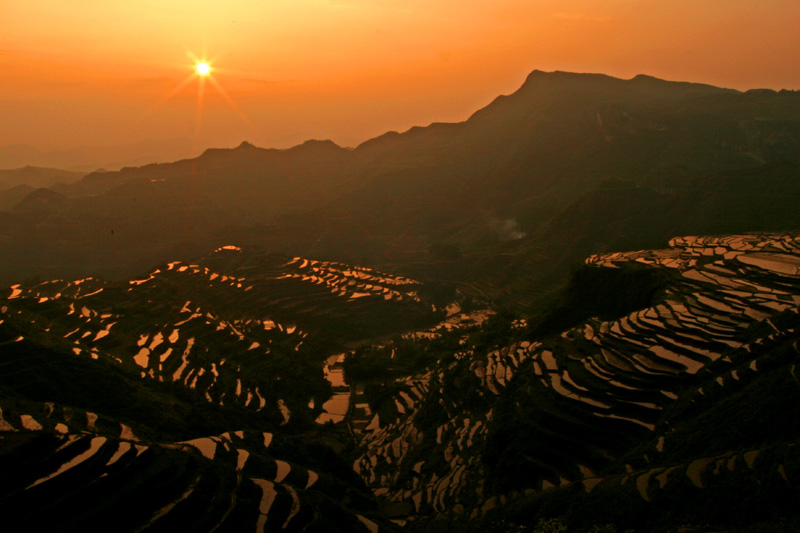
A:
(335, 409)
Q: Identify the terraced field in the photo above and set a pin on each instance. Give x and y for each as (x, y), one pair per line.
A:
(599, 404)
(179, 400)
(228, 328)
(199, 396)
(67, 468)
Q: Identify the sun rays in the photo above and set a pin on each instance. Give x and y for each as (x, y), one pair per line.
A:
(202, 71)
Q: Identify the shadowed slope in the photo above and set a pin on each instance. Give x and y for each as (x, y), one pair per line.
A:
(483, 187)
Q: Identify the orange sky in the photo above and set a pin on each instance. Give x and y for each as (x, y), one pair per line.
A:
(97, 72)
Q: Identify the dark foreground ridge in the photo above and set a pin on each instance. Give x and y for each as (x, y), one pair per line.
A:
(190, 398)
(674, 413)
(184, 399)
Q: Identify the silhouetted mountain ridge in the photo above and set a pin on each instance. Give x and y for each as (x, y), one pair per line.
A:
(489, 186)
(36, 177)
(88, 158)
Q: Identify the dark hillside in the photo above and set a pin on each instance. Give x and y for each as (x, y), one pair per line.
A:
(187, 398)
(495, 189)
(658, 394)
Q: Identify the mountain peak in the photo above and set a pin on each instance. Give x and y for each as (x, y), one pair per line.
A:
(327, 143)
(561, 75)
(589, 81)
(645, 77)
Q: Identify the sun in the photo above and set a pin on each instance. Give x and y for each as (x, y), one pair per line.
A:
(202, 74)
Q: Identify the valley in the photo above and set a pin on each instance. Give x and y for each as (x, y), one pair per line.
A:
(577, 310)
(472, 418)
(171, 401)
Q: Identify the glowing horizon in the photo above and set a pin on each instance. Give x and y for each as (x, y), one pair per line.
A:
(100, 73)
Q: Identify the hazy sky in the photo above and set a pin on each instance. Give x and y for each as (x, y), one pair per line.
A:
(82, 72)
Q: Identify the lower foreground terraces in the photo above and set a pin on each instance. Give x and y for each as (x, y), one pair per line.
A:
(564, 410)
(205, 392)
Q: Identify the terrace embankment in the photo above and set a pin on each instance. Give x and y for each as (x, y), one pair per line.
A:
(643, 401)
(180, 400)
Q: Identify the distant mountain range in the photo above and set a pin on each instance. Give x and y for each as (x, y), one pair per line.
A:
(90, 158)
(17, 183)
(503, 204)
